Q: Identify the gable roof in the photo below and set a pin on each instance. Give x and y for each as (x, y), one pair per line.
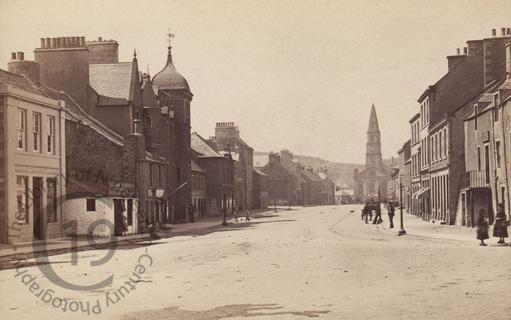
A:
(20, 82)
(199, 145)
(113, 80)
(310, 176)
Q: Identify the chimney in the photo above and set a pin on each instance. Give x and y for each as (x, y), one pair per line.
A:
(508, 61)
(64, 66)
(494, 32)
(508, 31)
(458, 51)
(503, 31)
(226, 130)
(465, 50)
(102, 51)
(19, 65)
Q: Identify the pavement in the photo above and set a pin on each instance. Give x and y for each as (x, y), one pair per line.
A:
(61, 245)
(320, 262)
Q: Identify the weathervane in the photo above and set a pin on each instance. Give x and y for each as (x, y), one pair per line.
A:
(170, 36)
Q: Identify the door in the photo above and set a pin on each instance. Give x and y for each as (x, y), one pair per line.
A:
(487, 163)
(463, 210)
(119, 224)
(37, 198)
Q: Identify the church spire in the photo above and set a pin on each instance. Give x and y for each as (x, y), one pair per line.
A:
(373, 121)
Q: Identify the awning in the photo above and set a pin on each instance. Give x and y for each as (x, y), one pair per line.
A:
(421, 194)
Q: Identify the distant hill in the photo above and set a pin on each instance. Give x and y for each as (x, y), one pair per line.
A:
(340, 173)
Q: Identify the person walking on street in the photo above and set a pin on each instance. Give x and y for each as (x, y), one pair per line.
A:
(500, 226)
(391, 215)
(377, 215)
(482, 228)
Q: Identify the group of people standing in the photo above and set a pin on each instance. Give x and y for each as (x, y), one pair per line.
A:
(499, 227)
(367, 213)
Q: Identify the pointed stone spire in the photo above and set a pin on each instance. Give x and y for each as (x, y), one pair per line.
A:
(373, 121)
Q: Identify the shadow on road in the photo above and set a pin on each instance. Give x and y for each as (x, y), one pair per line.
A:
(228, 311)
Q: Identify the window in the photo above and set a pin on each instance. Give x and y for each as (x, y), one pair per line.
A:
(22, 199)
(479, 158)
(22, 127)
(497, 152)
(148, 122)
(476, 111)
(36, 130)
(151, 174)
(91, 205)
(51, 135)
(130, 212)
(445, 143)
(51, 199)
(496, 114)
(440, 152)
(159, 176)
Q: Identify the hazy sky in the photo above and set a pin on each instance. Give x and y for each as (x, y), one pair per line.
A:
(299, 75)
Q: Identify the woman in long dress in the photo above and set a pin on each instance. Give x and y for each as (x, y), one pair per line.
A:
(500, 226)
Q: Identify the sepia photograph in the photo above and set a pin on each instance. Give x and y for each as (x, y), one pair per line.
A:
(255, 159)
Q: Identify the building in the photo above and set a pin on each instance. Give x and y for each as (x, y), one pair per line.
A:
(219, 176)
(328, 187)
(199, 193)
(227, 138)
(487, 133)
(281, 183)
(260, 196)
(443, 108)
(416, 200)
(371, 183)
(174, 97)
(311, 187)
(32, 158)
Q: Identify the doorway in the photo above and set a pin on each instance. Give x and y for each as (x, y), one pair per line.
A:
(37, 198)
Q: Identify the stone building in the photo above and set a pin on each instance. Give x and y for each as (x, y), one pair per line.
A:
(260, 196)
(371, 183)
(126, 158)
(199, 193)
(219, 176)
(174, 97)
(311, 187)
(328, 187)
(32, 158)
(281, 183)
(487, 133)
(443, 107)
(227, 138)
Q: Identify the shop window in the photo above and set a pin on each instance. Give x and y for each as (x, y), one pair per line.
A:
(22, 199)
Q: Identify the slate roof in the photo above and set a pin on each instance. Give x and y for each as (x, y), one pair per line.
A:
(199, 145)
(310, 176)
(195, 167)
(112, 80)
(457, 87)
(20, 82)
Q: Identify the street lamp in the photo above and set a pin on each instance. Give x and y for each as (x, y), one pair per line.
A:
(224, 211)
(402, 229)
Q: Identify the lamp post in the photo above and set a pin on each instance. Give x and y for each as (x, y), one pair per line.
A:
(402, 229)
(224, 211)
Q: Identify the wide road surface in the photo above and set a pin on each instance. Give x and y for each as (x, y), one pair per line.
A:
(310, 262)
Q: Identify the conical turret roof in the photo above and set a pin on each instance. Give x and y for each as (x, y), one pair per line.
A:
(373, 121)
(169, 78)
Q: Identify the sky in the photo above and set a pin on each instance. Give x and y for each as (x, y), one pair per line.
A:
(298, 75)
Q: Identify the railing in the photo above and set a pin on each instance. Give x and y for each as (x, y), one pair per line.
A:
(475, 179)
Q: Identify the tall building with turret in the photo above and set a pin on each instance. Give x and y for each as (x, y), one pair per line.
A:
(174, 94)
(371, 183)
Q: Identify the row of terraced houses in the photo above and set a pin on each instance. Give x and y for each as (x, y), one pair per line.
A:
(458, 158)
(91, 145)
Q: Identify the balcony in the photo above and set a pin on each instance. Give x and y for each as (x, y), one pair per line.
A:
(475, 179)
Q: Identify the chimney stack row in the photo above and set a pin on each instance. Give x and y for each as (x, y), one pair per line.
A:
(62, 42)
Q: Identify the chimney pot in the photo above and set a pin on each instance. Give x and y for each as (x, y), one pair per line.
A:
(100, 38)
(68, 42)
(458, 51)
(465, 50)
(42, 43)
(82, 41)
(53, 42)
(509, 31)
(48, 43)
(13, 55)
(494, 32)
(503, 31)
(21, 56)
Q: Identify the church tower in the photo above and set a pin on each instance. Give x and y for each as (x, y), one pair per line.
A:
(174, 94)
(373, 146)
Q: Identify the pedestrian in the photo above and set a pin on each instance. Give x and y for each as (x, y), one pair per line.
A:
(391, 215)
(377, 215)
(482, 228)
(501, 223)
